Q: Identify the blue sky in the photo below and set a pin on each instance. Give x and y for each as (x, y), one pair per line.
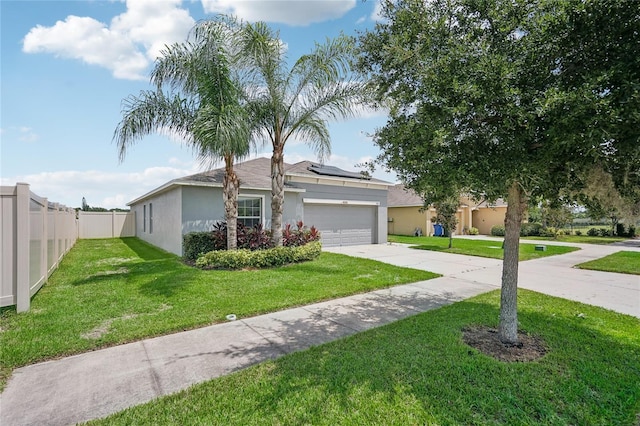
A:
(66, 66)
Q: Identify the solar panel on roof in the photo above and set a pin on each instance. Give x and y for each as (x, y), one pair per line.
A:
(334, 171)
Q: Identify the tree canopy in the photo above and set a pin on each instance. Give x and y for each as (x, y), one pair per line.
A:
(292, 101)
(198, 97)
(508, 98)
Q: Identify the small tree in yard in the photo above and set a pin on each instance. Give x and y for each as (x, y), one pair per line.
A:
(513, 99)
(446, 210)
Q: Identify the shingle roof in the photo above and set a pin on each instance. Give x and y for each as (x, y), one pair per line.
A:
(399, 196)
(254, 173)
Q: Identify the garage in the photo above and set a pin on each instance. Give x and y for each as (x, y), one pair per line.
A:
(342, 223)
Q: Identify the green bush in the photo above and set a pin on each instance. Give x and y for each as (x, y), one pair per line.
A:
(592, 232)
(578, 232)
(195, 244)
(243, 258)
(548, 232)
(530, 229)
(603, 232)
(497, 230)
(473, 231)
(631, 232)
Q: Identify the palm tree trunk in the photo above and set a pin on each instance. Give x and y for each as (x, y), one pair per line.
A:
(230, 185)
(277, 194)
(516, 207)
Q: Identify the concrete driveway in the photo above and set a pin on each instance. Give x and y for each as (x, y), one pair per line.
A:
(553, 275)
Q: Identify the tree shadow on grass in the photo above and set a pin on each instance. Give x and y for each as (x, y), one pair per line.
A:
(419, 371)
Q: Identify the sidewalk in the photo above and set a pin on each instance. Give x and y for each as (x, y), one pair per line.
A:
(96, 384)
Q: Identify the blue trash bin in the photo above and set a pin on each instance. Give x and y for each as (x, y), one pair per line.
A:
(438, 231)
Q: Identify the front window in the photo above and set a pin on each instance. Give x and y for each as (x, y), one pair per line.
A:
(249, 211)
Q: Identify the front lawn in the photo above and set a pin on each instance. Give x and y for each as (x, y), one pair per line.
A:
(419, 371)
(108, 292)
(625, 262)
(580, 239)
(480, 247)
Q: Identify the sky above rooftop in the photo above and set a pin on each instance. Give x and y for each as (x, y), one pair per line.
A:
(66, 66)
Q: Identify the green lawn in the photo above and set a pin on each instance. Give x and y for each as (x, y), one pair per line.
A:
(482, 248)
(626, 262)
(418, 371)
(108, 292)
(581, 239)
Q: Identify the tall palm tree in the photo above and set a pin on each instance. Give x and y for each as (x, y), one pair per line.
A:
(202, 105)
(297, 101)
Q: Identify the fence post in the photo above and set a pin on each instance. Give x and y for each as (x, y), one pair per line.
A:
(113, 224)
(44, 241)
(23, 296)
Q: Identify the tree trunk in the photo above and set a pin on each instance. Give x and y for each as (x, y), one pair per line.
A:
(516, 207)
(277, 195)
(450, 239)
(230, 186)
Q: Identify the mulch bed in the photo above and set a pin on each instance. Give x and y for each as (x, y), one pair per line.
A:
(485, 339)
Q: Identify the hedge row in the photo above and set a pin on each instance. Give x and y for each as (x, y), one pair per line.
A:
(243, 258)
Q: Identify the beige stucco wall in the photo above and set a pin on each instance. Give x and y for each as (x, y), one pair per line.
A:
(404, 220)
(484, 218)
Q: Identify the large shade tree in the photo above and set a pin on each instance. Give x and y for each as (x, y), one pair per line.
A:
(508, 98)
(295, 101)
(198, 99)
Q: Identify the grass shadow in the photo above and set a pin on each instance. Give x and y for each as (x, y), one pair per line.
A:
(418, 371)
(146, 251)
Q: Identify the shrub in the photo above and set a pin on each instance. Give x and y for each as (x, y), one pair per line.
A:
(620, 232)
(530, 229)
(549, 232)
(497, 230)
(300, 236)
(195, 244)
(631, 231)
(592, 232)
(244, 258)
(255, 238)
(473, 231)
(603, 232)
(219, 235)
(578, 232)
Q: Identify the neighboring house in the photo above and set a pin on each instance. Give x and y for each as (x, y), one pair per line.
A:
(346, 207)
(406, 215)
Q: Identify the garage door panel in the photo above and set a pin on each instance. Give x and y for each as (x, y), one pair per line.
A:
(341, 225)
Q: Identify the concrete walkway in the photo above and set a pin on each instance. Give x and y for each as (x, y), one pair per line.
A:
(96, 384)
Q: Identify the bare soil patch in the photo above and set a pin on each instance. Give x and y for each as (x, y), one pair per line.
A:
(485, 339)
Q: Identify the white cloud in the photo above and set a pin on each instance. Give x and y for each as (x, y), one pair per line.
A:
(376, 15)
(100, 188)
(291, 12)
(126, 47)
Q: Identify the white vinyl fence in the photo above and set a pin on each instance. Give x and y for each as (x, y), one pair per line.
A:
(36, 235)
(106, 224)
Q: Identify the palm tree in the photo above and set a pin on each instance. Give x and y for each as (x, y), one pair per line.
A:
(297, 101)
(202, 106)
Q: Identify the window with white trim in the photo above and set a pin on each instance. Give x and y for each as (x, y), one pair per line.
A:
(249, 211)
(144, 218)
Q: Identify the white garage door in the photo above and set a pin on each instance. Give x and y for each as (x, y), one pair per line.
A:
(342, 225)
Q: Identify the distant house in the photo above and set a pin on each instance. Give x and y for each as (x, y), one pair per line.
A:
(347, 207)
(405, 215)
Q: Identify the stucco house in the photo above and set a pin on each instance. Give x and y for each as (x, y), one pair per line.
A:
(346, 207)
(405, 215)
